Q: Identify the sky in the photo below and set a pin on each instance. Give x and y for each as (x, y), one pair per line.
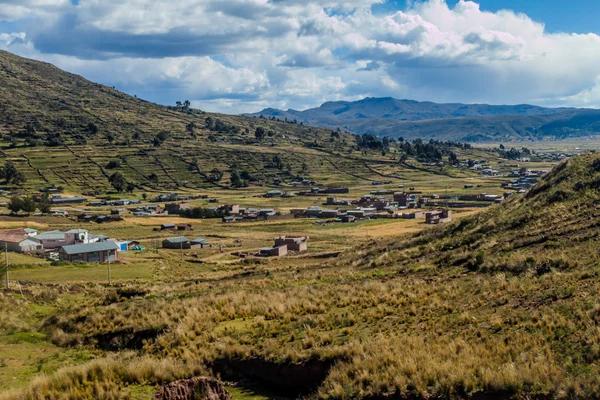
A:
(238, 56)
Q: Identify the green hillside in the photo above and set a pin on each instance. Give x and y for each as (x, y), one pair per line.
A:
(60, 129)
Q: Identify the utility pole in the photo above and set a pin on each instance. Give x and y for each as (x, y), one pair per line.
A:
(108, 259)
(6, 261)
(181, 245)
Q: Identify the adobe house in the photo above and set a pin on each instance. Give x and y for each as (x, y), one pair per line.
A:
(175, 208)
(438, 217)
(293, 243)
(168, 227)
(278, 251)
(184, 227)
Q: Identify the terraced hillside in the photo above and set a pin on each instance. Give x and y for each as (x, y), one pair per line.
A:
(60, 129)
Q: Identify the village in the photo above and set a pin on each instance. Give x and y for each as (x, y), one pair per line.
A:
(335, 205)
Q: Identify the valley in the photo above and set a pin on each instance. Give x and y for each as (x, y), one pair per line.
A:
(160, 248)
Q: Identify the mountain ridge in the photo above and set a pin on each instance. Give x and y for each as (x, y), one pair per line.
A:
(412, 119)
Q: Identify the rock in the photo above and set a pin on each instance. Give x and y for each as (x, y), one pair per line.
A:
(200, 388)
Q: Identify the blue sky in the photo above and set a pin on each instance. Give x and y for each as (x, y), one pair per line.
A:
(243, 55)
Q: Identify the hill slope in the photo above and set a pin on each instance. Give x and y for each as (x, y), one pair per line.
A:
(502, 304)
(88, 126)
(464, 122)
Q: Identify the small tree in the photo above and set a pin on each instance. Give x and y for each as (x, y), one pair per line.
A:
(15, 204)
(110, 137)
(259, 133)
(29, 205)
(44, 206)
(130, 187)
(117, 180)
(145, 196)
(215, 175)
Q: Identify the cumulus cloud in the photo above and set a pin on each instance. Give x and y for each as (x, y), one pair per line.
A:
(241, 55)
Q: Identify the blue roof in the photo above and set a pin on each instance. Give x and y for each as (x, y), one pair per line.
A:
(199, 240)
(90, 247)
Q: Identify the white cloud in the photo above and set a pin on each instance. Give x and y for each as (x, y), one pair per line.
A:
(245, 54)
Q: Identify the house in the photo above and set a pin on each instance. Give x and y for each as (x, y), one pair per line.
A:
(273, 193)
(19, 241)
(228, 219)
(293, 243)
(123, 244)
(230, 208)
(52, 239)
(348, 218)
(175, 208)
(176, 243)
(119, 211)
(414, 215)
(67, 200)
(274, 251)
(168, 227)
(31, 232)
(438, 217)
(56, 239)
(85, 218)
(200, 243)
(184, 227)
(90, 252)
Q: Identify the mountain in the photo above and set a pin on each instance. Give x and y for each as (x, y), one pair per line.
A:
(463, 122)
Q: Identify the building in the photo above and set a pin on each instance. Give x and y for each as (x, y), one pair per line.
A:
(438, 217)
(175, 208)
(168, 227)
(184, 227)
(176, 243)
(200, 243)
(279, 251)
(293, 243)
(90, 252)
(67, 200)
(273, 193)
(19, 241)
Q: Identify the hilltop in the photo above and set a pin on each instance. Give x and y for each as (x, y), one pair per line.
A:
(464, 122)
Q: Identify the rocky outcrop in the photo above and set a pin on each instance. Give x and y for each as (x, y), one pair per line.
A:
(201, 388)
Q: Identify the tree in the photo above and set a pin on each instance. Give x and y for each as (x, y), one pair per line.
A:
(145, 196)
(130, 187)
(110, 137)
(190, 128)
(215, 175)
(277, 162)
(259, 133)
(236, 180)
(117, 180)
(15, 204)
(92, 128)
(11, 174)
(452, 158)
(44, 206)
(28, 205)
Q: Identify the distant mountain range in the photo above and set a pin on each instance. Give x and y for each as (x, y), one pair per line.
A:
(463, 122)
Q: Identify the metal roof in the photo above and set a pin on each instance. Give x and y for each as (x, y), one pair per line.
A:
(90, 247)
(77, 231)
(199, 240)
(30, 230)
(52, 235)
(181, 239)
